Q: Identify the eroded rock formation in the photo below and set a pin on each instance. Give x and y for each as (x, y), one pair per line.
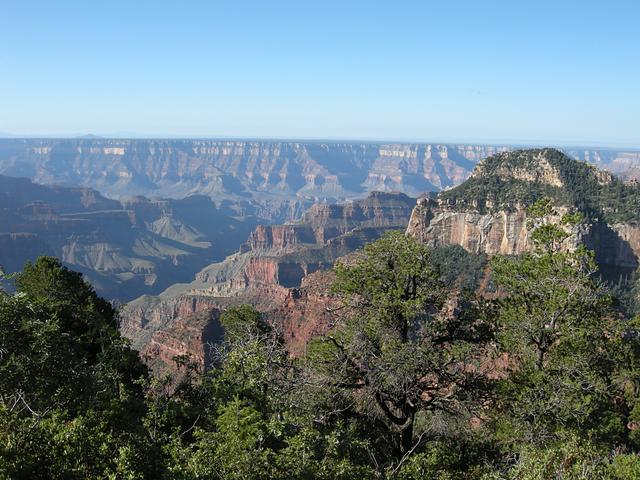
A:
(489, 213)
(280, 269)
(283, 269)
(124, 248)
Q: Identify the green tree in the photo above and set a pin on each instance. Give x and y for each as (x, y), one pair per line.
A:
(247, 416)
(564, 338)
(571, 459)
(71, 396)
(405, 350)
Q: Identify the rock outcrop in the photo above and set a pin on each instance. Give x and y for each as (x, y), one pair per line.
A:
(280, 237)
(490, 233)
(504, 232)
(281, 268)
(488, 213)
(190, 336)
(306, 312)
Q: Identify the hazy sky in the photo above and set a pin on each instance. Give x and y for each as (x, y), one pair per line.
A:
(518, 71)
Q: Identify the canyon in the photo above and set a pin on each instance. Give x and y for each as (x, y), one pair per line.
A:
(123, 248)
(275, 181)
(263, 222)
(285, 270)
(281, 268)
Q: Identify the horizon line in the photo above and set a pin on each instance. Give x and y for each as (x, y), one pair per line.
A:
(347, 140)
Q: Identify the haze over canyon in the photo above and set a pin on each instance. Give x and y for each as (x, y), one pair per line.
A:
(136, 216)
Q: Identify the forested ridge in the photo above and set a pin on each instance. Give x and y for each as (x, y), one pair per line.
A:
(424, 376)
(506, 179)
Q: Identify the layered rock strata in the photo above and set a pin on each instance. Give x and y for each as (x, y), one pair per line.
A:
(280, 269)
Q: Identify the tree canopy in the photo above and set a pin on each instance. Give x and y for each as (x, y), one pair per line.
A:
(420, 378)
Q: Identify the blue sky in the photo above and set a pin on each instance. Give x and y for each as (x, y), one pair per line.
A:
(509, 71)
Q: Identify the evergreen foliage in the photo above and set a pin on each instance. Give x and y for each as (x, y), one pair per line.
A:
(420, 379)
(497, 186)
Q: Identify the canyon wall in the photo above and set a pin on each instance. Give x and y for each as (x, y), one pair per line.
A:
(124, 249)
(505, 232)
(488, 214)
(260, 174)
(267, 169)
(284, 270)
(489, 233)
(280, 269)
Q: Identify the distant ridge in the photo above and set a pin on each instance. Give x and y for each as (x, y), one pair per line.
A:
(124, 248)
(271, 180)
(90, 136)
